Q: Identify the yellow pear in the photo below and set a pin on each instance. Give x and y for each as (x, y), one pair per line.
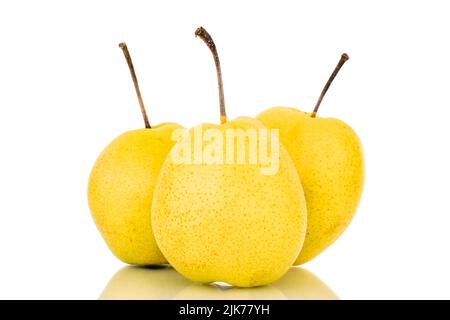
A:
(217, 216)
(329, 158)
(121, 185)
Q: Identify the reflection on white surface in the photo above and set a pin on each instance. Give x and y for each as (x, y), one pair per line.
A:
(165, 283)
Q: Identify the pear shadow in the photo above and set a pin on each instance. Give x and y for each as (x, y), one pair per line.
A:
(153, 266)
(165, 283)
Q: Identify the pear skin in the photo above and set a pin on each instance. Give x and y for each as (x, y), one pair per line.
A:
(329, 158)
(229, 222)
(120, 192)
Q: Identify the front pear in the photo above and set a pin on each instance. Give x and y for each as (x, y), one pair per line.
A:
(222, 218)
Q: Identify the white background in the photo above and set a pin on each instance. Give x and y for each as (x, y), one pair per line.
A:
(65, 93)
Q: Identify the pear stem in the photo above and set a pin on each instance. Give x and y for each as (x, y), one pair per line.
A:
(126, 53)
(206, 37)
(341, 62)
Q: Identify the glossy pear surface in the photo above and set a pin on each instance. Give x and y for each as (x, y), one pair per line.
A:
(228, 222)
(329, 158)
(120, 192)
